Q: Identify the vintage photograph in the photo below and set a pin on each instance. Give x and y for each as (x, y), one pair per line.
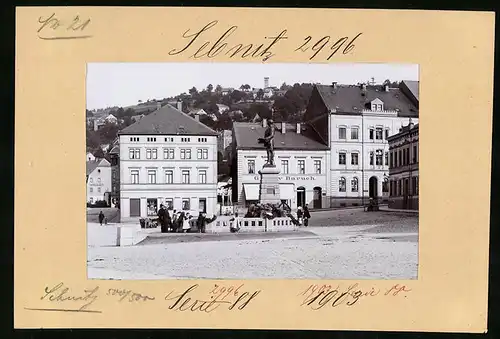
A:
(252, 171)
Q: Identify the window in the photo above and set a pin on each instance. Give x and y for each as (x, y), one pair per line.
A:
(400, 158)
(185, 177)
(202, 177)
(407, 156)
(169, 176)
(169, 139)
(202, 139)
(342, 184)
(284, 166)
(185, 139)
(91, 180)
(371, 158)
(386, 158)
(414, 154)
(185, 204)
(354, 184)
(98, 189)
(371, 133)
(151, 139)
(385, 185)
(378, 159)
(169, 203)
(91, 190)
(91, 200)
(151, 176)
(399, 187)
(415, 185)
(395, 158)
(378, 133)
(151, 153)
(98, 181)
(386, 134)
(134, 176)
(168, 153)
(134, 153)
(134, 139)
(354, 158)
(392, 159)
(185, 153)
(342, 158)
(354, 133)
(251, 166)
(202, 153)
(301, 166)
(317, 166)
(342, 134)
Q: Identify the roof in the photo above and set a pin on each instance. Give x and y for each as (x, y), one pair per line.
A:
(167, 120)
(115, 150)
(93, 164)
(246, 135)
(413, 86)
(349, 99)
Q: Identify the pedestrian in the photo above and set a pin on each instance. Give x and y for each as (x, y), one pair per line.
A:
(235, 223)
(199, 222)
(307, 215)
(205, 221)
(168, 220)
(101, 217)
(300, 215)
(161, 219)
(185, 222)
(174, 221)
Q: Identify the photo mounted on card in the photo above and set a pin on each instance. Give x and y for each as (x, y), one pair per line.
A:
(231, 162)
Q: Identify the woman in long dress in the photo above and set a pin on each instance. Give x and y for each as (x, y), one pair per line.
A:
(186, 226)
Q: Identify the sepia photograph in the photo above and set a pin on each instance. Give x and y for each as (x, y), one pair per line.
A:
(252, 171)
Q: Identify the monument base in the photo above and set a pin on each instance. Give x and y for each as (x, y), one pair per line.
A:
(269, 185)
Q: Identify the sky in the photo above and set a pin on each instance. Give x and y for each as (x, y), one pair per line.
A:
(124, 84)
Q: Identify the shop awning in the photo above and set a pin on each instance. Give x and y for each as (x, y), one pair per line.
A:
(251, 191)
(287, 191)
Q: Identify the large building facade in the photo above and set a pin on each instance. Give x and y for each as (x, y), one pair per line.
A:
(167, 158)
(355, 122)
(403, 168)
(302, 161)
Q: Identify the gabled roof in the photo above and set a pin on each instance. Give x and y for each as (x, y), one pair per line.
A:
(247, 135)
(413, 86)
(167, 120)
(92, 165)
(353, 99)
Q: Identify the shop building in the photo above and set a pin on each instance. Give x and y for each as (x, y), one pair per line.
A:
(303, 163)
(356, 123)
(169, 158)
(403, 168)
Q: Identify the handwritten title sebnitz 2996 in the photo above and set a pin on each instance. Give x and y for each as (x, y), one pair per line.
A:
(197, 46)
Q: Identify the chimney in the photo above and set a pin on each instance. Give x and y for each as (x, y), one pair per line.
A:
(179, 105)
(386, 88)
(197, 117)
(264, 123)
(299, 128)
(283, 127)
(334, 85)
(410, 124)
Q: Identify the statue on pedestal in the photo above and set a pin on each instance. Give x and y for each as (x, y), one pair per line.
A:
(268, 142)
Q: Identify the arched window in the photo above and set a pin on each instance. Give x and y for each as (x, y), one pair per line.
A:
(342, 184)
(354, 184)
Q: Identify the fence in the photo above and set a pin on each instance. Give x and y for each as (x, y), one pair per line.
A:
(246, 225)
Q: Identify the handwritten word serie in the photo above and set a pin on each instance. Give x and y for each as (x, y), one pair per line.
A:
(198, 46)
(232, 297)
(319, 296)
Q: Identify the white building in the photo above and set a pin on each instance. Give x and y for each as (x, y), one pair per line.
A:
(167, 158)
(90, 157)
(303, 163)
(355, 122)
(98, 180)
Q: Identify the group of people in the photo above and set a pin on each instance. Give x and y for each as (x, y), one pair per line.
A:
(303, 215)
(180, 222)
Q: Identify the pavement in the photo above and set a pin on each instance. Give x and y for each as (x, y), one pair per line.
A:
(368, 245)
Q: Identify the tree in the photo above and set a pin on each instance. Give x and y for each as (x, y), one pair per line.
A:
(108, 132)
(218, 89)
(262, 110)
(237, 96)
(98, 153)
(223, 123)
(210, 88)
(260, 94)
(89, 113)
(92, 139)
(284, 87)
(193, 91)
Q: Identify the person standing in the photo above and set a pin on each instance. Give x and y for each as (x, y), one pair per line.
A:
(307, 215)
(185, 222)
(300, 215)
(161, 218)
(235, 223)
(101, 217)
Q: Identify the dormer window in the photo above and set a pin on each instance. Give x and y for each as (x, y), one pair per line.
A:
(377, 105)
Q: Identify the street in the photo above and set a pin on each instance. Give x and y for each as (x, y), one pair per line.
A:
(382, 245)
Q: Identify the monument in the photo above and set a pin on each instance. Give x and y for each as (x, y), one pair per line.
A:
(269, 190)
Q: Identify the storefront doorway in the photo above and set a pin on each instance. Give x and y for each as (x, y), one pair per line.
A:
(317, 197)
(373, 187)
(135, 207)
(203, 205)
(301, 196)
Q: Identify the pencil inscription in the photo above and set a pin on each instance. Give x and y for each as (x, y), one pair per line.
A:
(53, 28)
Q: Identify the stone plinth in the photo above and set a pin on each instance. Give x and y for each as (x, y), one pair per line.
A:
(269, 185)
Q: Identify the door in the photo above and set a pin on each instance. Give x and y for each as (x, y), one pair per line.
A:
(301, 196)
(373, 188)
(135, 207)
(317, 197)
(203, 205)
(405, 193)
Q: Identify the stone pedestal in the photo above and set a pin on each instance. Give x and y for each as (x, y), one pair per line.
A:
(269, 185)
